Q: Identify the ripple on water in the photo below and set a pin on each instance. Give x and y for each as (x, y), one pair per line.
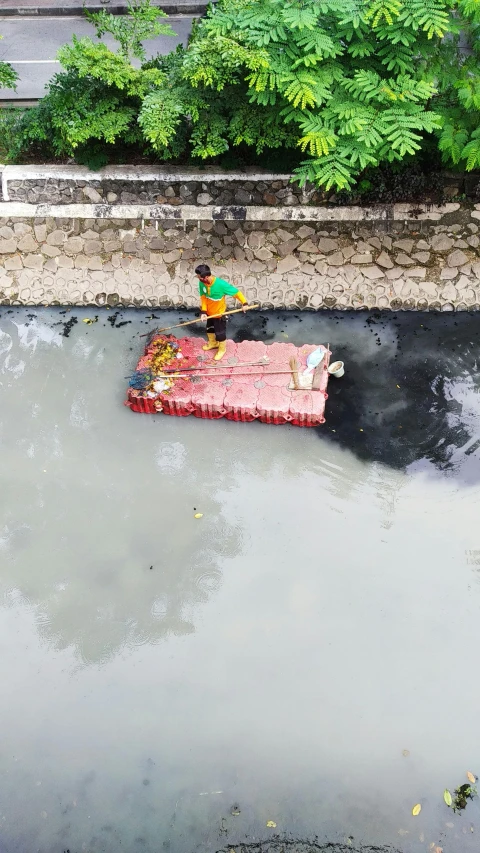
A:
(208, 581)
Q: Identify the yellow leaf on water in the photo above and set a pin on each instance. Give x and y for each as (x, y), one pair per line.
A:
(87, 320)
(271, 824)
(471, 778)
(198, 515)
(447, 797)
(416, 809)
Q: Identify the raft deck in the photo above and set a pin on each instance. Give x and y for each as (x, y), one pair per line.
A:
(257, 392)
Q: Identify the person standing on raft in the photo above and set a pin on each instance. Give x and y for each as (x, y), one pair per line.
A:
(212, 301)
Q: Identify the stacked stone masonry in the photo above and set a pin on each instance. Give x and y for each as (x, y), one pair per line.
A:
(307, 265)
(60, 185)
(141, 186)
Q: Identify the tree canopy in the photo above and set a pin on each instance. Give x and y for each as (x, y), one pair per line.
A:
(348, 84)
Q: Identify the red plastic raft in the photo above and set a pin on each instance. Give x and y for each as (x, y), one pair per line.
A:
(231, 390)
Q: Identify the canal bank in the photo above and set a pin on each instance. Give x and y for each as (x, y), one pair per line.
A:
(132, 237)
(303, 655)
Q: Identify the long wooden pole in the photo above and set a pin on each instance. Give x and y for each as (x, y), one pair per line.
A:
(261, 362)
(220, 373)
(199, 320)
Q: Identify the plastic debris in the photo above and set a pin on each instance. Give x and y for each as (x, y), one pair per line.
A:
(313, 360)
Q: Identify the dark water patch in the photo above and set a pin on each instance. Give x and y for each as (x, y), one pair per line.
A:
(281, 845)
(409, 393)
(255, 328)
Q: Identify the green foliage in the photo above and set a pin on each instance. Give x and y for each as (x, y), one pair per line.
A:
(8, 76)
(10, 119)
(341, 86)
(95, 101)
(141, 22)
(358, 84)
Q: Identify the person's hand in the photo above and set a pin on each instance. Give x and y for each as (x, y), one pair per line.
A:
(203, 318)
(244, 307)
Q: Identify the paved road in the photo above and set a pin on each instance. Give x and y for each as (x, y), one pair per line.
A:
(31, 45)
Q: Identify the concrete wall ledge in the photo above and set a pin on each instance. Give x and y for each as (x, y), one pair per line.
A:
(189, 213)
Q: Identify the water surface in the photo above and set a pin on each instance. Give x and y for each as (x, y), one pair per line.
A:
(274, 658)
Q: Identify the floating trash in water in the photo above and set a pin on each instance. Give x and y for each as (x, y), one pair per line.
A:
(461, 796)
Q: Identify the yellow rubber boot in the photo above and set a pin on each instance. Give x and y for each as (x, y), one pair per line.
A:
(212, 342)
(222, 348)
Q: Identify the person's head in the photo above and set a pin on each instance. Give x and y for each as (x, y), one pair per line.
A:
(203, 271)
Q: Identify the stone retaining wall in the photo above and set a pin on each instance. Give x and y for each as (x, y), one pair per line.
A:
(177, 186)
(427, 259)
(142, 185)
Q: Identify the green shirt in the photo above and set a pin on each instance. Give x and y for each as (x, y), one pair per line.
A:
(212, 297)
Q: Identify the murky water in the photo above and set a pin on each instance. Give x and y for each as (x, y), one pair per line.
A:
(274, 658)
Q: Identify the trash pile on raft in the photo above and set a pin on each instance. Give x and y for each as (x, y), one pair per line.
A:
(161, 353)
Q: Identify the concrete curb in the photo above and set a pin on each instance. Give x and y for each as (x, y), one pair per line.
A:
(170, 7)
(190, 212)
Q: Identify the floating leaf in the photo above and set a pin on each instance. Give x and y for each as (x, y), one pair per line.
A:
(405, 753)
(198, 515)
(471, 778)
(416, 809)
(271, 824)
(87, 320)
(447, 797)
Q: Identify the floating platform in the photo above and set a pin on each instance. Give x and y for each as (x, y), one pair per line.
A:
(205, 388)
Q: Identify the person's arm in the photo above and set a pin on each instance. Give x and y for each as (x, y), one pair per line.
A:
(241, 298)
(203, 302)
(231, 290)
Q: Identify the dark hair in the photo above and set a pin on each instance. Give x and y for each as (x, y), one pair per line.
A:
(203, 270)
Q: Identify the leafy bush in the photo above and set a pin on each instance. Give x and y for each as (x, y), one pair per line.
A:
(10, 119)
(8, 76)
(94, 103)
(357, 85)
